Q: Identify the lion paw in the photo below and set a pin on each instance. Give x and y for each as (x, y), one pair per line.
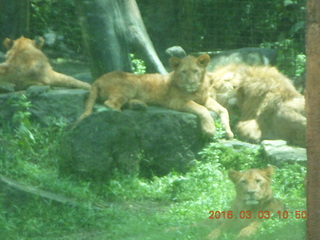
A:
(214, 235)
(229, 135)
(246, 232)
(135, 104)
(112, 105)
(209, 130)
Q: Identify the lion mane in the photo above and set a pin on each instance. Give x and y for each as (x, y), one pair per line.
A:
(253, 197)
(27, 65)
(268, 105)
(185, 89)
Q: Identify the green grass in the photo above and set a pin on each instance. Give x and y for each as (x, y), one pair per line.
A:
(175, 206)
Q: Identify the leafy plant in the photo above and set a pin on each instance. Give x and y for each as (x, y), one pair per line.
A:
(291, 58)
(173, 206)
(138, 65)
(21, 120)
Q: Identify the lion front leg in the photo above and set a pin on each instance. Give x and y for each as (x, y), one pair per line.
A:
(206, 121)
(249, 231)
(249, 131)
(215, 234)
(223, 113)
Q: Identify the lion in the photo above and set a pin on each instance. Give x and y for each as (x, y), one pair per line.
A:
(27, 65)
(267, 103)
(185, 89)
(254, 202)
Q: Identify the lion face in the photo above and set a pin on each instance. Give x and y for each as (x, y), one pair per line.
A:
(189, 72)
(225, 82)
(253, 186)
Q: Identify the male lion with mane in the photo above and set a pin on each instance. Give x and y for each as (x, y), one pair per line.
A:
(253, 202)
(268, 104)
(185, 89)
(27, 65)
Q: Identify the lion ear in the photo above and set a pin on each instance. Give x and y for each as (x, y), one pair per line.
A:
(234, 175)
(174, 63)
(268, 171)
(203, 60)
(38, 42)
(8, 43)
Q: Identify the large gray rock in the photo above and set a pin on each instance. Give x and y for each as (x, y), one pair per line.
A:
(238, 145)
(176, 51)
(155, 141)
(275, 152)
(47, 105)
(278, 152)
(249, 56)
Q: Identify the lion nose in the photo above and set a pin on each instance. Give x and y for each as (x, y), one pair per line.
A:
(251, 192)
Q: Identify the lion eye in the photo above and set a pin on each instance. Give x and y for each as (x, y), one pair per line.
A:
(258, 180)
(243, 181)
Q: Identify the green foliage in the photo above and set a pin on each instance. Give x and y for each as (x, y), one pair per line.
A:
(162, 207)
(229, 158)
(59, 17)
(168, 207)
(138, 65)
(224, 25)
(291, 57)
(233, 24)
(21, 120)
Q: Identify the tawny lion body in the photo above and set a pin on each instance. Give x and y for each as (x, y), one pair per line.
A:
(253, 197)
(186, 89)
(27, 65)
(268, 104)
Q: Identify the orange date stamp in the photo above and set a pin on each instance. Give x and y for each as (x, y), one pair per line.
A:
(257, 215)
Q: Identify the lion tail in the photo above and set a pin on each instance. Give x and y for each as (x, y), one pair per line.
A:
(62, 80)
(93, 95)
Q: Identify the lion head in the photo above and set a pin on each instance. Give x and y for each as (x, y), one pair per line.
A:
(253, 186)
(224, 82)
(23, 42)
(189, 72)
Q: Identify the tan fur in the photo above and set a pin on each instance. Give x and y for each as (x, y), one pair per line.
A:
(185, 89)
(27, 65)
(254, 194)
(269, 105)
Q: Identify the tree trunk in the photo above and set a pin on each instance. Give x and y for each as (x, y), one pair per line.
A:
(313, 118)
(138, 37)
(104, 39)
(111, 30)
(14, 18)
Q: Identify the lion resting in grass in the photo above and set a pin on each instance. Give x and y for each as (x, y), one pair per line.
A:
(185, 89)
(27, 65)
(268, 105)
(253, 203)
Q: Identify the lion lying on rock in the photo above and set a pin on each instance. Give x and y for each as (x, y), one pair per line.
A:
(253, 203)
(268, 105)
(27, 65)
(185, 89)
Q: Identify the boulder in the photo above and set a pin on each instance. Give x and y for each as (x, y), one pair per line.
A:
(278, 152)
(275, 152)
(154, 141)
(249, 56)
(238, 145)
(176, 51)
(47, 105)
